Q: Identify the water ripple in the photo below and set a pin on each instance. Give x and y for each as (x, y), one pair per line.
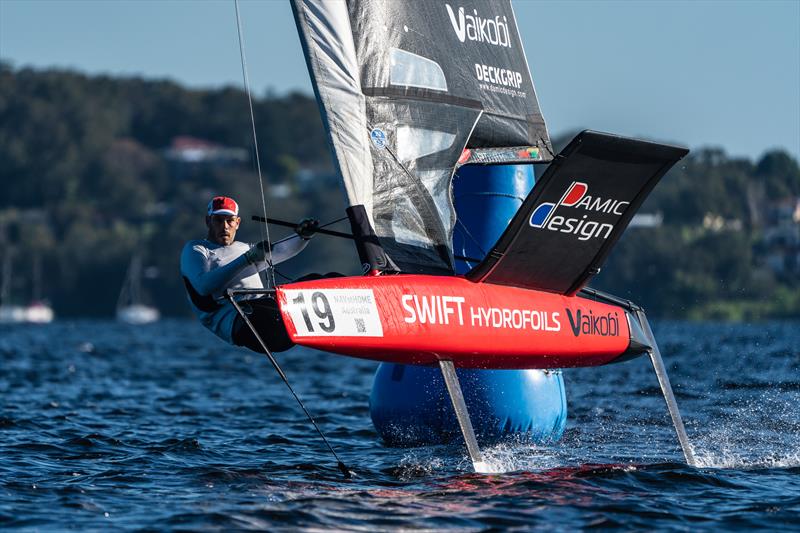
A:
(107, 427)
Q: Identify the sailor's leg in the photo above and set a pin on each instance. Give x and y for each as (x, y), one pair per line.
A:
(265, 317)
(460, 407)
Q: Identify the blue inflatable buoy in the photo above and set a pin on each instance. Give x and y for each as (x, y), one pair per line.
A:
(409, 404)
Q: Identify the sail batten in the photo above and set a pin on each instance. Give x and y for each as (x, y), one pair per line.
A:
(408, 91)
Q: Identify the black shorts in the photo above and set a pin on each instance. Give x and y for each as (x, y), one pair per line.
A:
(265, 316)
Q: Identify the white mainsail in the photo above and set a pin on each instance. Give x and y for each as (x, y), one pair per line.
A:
(408, 91)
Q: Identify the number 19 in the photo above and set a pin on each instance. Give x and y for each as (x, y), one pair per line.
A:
(321, 308)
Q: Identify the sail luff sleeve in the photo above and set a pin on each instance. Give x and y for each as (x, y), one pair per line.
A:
(327, 40)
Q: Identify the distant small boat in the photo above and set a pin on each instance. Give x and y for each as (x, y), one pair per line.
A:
(37, 312)
(137, 314)
(130, 308)
(12, 314)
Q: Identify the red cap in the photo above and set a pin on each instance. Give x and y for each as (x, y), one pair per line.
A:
(222, 205)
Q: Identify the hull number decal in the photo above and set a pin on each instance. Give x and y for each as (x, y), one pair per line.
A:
(334, 312)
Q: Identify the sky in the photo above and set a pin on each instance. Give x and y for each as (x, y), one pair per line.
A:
(697, 73)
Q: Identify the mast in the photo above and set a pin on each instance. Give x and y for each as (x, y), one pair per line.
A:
(136, 280)
(125, 292)
(36, 282)
(5, 274)
(5, 280)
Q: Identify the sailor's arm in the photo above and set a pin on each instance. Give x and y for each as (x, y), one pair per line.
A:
(288, 248)
(284, 250)
(195, 268)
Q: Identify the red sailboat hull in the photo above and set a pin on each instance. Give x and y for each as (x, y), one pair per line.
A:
(421, 319)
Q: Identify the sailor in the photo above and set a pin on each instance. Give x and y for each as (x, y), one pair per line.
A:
(217, 263)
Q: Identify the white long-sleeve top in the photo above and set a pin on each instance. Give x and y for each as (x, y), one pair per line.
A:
(212, 269)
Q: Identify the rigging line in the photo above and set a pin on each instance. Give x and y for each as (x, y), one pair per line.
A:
(288, 224)
(332, 222)
(281, 274)
(474, 240)
(342, 467)
(338, 234)
(270, 273)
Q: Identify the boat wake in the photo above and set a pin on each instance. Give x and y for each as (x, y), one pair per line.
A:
(755, 433)
(502, 458)
(519, 457)
(724, 450)
(735, 459)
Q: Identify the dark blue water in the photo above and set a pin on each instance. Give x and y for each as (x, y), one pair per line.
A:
(104, 426)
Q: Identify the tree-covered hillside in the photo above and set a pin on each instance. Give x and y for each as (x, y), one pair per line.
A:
(96, 169)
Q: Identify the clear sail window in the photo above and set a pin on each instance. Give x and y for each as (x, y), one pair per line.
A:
(414, 143)
(411, 70)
